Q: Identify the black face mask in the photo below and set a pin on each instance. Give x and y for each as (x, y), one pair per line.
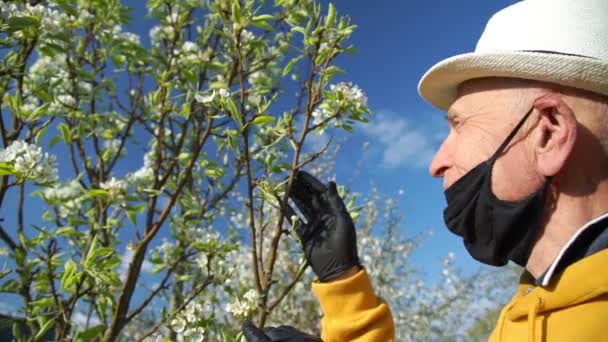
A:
(494, 231)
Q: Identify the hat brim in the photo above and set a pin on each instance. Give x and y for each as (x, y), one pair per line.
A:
(439, 85)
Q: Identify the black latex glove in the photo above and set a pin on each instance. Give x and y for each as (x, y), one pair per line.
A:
(271, 334)
(328, 232)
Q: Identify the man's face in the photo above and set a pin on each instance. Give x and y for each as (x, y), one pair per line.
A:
(480, 119)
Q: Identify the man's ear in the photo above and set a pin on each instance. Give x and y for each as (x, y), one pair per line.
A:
(555, 133)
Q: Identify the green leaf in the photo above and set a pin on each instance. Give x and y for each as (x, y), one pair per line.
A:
(17, 335)
(334, 70)
(10, 286)
(158, 268)
(263, 17)
(331, 16)
(107, 134)
(65, 5)
(214, 172)
(43, 302)
(290, 65)
(65, 132)
(40, 134)
(91, 333)
(236, 12)
(263, 119)
(263, 25)
(185, 277)
(218, 85)
(98, 193)
(54, 141)
(132, 216)
(44, 328)
(51, 49)
(7, 169)
(69, 274)
(322, 56)
(152, 192)
(299, 29)
(92, 249)
(20, 23)
(236, 115)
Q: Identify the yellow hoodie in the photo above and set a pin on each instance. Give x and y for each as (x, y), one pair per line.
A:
(575, 308)
(352, 312)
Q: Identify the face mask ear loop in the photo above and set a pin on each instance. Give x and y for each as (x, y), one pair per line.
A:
(509, 138)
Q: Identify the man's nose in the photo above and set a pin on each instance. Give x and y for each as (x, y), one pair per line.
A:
(442, 160)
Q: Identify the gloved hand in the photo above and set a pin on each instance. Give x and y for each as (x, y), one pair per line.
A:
(328, 234)
(270, 334)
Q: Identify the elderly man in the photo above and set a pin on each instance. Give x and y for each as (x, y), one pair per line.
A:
(525, 170)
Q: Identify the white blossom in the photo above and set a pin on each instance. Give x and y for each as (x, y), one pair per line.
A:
(67, 197)
(178, 324)
(7, 9)
(144, 173)
(350, 92)
(112, 145)
(205, 98)
(30, 162)
(319, 115)
(188, 53)
(257, 76)
(246, 36)
(114, 186)
(224, 93)
(241, 308)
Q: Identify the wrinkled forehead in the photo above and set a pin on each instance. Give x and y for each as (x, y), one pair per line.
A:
(490, 94)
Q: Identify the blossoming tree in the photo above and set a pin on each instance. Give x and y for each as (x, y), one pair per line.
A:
(180, 152)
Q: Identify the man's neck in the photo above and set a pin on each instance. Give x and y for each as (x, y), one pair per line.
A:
(568, 216)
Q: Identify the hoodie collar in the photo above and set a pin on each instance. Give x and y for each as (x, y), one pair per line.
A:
(580, 282)
(589, 239)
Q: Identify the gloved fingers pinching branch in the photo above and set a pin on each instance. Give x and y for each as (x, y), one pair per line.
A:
(326, 231)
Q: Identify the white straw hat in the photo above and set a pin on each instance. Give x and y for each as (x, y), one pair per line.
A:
(558, 41)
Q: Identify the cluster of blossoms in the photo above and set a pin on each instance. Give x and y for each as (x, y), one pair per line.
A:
(164, 251)
(30, 162)
(128, 40)
(160, 33)
(115, 187)
(52, 71)
(257, 77)
(344, 100)
(145, 173)
(52, 21)
(112, 146)
(188, 322)
(68, 197)
(189, 53)
(262, 148)
(115, 32)
(246, 36)
(167, 30)
(209, 98)
(242, 308)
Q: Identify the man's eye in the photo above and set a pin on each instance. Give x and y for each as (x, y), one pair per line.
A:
(453, 121)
